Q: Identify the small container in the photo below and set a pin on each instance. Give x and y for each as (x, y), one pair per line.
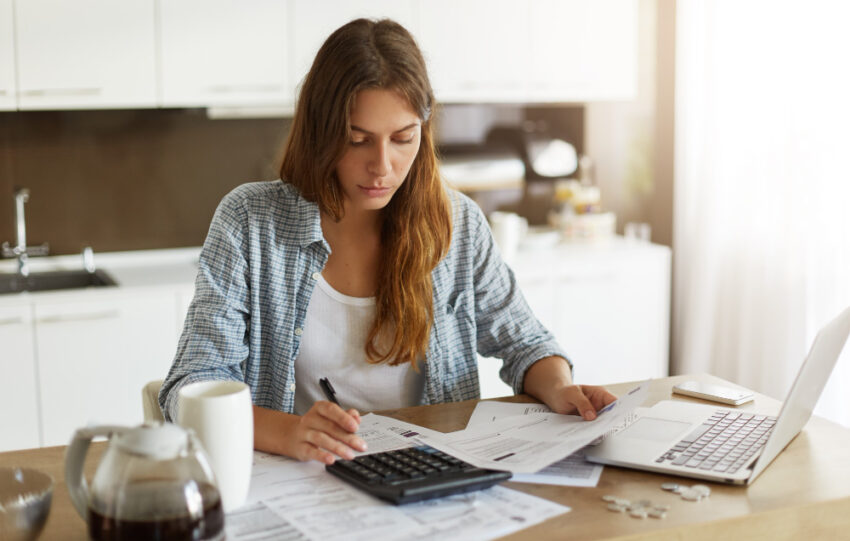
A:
(596, 226)
(25, 498)
(637, 231)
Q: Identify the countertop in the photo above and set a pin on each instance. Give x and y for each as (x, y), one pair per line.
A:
(178, 267)
(131, 270)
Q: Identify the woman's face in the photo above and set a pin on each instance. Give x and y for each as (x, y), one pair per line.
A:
(385, 137)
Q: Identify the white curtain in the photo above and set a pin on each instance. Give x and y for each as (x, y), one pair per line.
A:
(762, 190)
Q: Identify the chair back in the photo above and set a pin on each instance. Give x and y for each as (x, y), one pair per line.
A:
(150, 401)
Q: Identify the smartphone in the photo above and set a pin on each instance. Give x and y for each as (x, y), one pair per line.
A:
(715, 393)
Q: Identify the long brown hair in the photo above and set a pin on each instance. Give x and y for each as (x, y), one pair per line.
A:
(416, 230)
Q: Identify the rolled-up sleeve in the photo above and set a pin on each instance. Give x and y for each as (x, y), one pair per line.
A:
(214, 342)
(506, 326)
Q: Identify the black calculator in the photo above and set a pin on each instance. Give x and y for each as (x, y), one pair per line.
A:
(414, 474)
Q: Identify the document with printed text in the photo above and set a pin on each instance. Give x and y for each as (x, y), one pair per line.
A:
(572, 471)
(529, 443)
(300, 501)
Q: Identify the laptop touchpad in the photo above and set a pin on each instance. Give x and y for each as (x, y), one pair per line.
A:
(650, 428)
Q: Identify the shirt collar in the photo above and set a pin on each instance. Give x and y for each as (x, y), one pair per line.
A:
(307, 226)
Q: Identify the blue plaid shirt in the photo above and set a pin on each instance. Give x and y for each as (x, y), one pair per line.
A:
(257, 271)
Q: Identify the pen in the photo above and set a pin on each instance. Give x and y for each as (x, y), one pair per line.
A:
(328, 389)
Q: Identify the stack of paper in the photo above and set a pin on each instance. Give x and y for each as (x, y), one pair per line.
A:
(300, 500)
(293, 500)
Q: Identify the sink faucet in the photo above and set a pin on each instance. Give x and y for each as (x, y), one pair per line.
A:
(21, 251)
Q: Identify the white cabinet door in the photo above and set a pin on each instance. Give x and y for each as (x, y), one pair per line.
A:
(315, 21)
(96, 354)
(583, 50)
(225, 52)
(85, 54)
(612, 324)
(184, 299)
(609, 309)
(8, 88)
(476, 50)
(18, 390)
(608, 305)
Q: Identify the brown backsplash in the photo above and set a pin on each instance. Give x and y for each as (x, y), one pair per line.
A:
(128, 179)
(152, 178)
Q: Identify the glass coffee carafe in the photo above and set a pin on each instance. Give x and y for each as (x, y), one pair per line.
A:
(153, 482)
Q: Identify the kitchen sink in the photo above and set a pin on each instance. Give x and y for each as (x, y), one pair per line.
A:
(49, 281)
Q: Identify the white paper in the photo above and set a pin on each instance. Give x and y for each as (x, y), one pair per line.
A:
(257, 522)
(572, 471)
(492, 410)
(387, 434)
(294, 500)
(529, 443)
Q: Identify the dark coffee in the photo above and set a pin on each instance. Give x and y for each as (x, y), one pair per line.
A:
(157, 510)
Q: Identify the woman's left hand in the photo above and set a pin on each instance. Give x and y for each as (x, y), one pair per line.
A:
(550, 381)
(585, 400)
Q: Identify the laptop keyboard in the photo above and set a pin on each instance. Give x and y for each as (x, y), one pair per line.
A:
(723, 443)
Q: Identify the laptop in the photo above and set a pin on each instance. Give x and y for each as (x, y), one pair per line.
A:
(719, 444)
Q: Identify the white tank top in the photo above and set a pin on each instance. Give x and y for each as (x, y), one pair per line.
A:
(333, 346)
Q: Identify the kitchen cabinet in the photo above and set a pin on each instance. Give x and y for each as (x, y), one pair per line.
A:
(85, 54)
(98, 54)
(18, 389)
(607, 303)
(225, 53)
(314, 21)
(184, 299)
(8, 87)
(583, 51)
(80, 356)
(95, 352)
(476, 50)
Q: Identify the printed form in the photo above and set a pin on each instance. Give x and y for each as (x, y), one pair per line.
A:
(300, 501)
(529, 443)
(572, 471)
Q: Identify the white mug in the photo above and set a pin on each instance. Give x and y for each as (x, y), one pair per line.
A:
(508, 230)
(220, 413)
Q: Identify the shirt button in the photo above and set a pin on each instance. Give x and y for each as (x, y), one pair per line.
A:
(316, 276)
(299, 331)
(292, 387)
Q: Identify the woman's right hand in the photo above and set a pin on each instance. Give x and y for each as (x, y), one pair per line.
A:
(325, 432)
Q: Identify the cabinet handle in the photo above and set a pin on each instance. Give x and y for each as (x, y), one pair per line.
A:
(12, 321)
(109, 314)
(40, 92)
(554, 281)
(225, 89)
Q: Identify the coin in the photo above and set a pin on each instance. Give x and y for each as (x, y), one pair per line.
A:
(609, 498)
(703, 490)
(660, 507)
(624, 503)
(670, 487)
(690, 494)
(658, 513)
(638, 513)
(616, 508)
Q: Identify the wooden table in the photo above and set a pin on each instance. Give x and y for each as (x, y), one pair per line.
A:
(804, 494)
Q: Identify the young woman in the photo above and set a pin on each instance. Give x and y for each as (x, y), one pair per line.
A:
(360, 266)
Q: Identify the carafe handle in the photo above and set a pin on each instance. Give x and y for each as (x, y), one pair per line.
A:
(75, 457)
